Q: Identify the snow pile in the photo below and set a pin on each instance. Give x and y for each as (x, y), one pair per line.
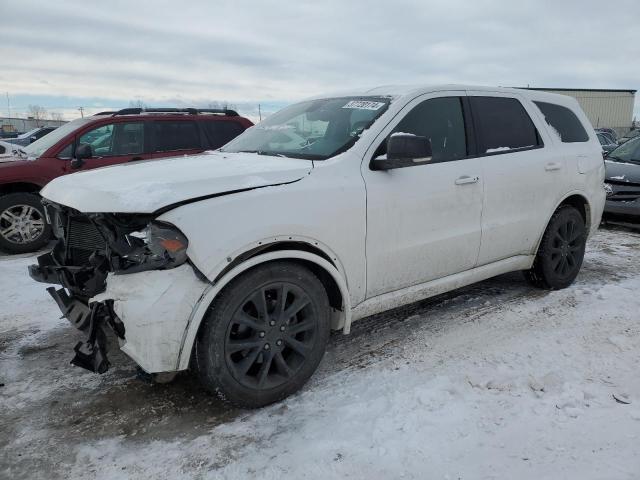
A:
(501, 381)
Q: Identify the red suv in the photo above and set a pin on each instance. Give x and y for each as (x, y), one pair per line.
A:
(104, 139)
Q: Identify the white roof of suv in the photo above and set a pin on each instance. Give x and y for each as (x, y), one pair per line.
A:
(398, 91)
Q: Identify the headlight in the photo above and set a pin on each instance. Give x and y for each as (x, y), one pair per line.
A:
(608, 189)
(158, 246)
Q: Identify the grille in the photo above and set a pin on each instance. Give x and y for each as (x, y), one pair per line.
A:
(624, 196)
(82, 239)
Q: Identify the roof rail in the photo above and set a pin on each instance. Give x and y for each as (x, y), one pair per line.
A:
(188, 111)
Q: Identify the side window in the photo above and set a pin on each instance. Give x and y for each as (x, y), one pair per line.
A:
(66, 152)
(115, 139)
(100, 140)
(503, 124)
(564, 122)
(440, 120)
(221, 132)
(173, 135)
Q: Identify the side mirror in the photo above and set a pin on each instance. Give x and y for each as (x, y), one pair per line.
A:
(83, 151)
(32, 138)
(404, 150)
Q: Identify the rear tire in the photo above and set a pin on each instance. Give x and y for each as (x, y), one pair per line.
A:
(561, 251)
(264, 335)
(23, 225)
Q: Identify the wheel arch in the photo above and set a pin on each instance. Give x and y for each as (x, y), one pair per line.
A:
(575, 199)
(19, 187)
(581, 204)
(333, 281)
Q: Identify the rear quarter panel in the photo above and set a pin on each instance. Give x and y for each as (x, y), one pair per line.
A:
(585, 165)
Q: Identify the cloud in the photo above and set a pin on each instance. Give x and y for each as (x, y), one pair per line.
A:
(244, 51)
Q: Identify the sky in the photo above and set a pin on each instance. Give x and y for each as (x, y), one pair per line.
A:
(65, 54)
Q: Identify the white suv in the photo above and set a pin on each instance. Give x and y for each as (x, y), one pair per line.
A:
(237, 263)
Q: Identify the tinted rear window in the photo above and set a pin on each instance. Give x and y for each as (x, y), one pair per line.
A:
(503, 124)
(221, 132)
(176, 135)
(564, 121)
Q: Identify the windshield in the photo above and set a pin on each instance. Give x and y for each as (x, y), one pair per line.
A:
(29, 133)
(40, 146)
(314, 130)
(627, 152)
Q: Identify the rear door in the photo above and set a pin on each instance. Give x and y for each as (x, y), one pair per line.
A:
(523, 173)
(219, 132)
(117, 142)
(174, 137)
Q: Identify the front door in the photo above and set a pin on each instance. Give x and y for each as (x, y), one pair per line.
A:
(114, 143)
(423, 221)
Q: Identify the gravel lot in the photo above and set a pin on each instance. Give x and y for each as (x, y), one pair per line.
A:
(496, 380)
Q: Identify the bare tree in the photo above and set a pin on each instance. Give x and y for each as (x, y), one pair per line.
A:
(37, 112)
(57, 116)
(137, 104)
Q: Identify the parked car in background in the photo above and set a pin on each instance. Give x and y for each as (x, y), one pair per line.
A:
(30, 136)
(628, 136)
(609, 132)
(6, 150)
(622, 183)
(108, 138)
(606, 142)
(238, 263)
(610, 136)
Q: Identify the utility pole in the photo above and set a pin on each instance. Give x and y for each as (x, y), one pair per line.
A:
(259, 112)
(81, 111)
(8, 106)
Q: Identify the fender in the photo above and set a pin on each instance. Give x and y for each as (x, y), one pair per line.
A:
(210, 293)
(236, 256)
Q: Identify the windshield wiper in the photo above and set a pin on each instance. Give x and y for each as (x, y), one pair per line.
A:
(261, 152)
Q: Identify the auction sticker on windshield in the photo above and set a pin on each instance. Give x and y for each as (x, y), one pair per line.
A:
(364, 105)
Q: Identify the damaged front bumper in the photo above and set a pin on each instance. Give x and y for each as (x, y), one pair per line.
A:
(112, 281)
(148, 311)
(92, 319)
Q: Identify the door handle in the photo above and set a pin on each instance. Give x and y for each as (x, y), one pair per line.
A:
(550, 167)
(465, 179)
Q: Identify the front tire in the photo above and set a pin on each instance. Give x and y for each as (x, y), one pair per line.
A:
(23, 225)
(561, 251)
(264, 335)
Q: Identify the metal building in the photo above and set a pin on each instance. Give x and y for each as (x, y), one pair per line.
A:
(13, 125)
(605, 108)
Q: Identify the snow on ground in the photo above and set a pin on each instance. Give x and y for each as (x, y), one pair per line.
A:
(496, 380)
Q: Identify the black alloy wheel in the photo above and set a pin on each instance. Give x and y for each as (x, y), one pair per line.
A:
(561, 250)
(264, 335)
(270, 335)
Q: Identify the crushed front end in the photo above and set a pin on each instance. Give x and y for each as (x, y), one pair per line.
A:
(124, 273)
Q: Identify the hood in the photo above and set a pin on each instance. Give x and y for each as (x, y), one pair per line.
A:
(146, 187)
(618, 172)
(7, 154)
